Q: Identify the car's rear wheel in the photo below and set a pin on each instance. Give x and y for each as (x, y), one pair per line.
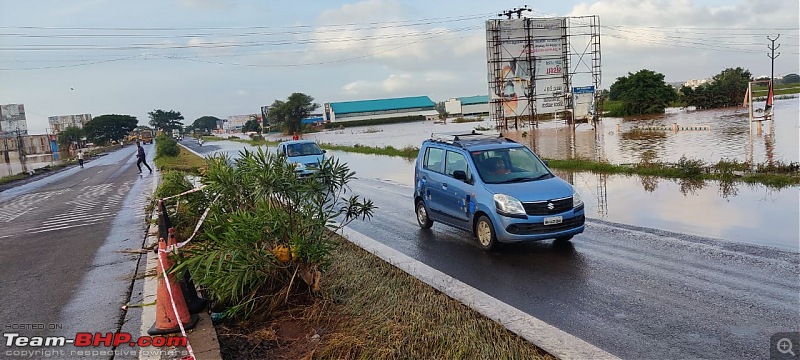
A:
(422, 216)
(484, 232)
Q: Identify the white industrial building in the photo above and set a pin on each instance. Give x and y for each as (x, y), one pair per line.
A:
(61, 122)
(467, 106)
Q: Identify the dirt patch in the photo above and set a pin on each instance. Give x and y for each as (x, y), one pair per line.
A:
(290, 334)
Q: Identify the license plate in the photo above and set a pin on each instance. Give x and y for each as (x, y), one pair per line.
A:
(552, 220)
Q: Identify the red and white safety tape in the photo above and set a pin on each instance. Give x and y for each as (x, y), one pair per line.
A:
(175, 307)
(185, 192)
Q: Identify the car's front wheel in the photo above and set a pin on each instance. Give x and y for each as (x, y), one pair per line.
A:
(484, 231)
(422, 216)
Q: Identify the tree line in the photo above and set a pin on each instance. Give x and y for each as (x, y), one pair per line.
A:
(104, 129)
(646, 92)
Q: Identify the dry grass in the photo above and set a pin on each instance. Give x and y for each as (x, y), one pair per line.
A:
(186, 161)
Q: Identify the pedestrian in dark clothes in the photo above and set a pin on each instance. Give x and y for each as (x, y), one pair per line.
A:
(141, 156)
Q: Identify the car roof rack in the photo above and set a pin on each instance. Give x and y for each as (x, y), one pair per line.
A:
(472, 138)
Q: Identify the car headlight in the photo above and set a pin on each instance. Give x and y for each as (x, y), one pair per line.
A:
(508, 205)
(576, 198)
(298, 166)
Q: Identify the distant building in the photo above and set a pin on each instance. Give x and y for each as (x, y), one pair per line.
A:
(61, 122)
(466, 106)
(12, 120)
(694, 83)
(379, 109)
(235, 123)
(313, 119)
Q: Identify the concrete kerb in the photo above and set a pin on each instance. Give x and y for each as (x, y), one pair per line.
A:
(203, 337)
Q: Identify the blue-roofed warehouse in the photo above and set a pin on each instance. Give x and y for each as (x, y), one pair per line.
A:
(468, 105)
(379, 109)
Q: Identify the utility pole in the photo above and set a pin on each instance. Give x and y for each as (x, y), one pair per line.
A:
(773, 56)
(517, 11)
(21, 150)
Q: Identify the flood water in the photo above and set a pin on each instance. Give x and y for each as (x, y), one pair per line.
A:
(13, 168)
(616, 140)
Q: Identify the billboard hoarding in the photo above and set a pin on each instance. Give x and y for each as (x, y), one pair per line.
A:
(526, 61)
(12, 120)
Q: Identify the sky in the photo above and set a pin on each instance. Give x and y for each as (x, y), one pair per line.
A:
(225, 58)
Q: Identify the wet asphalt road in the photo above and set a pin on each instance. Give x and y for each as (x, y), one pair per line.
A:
(62, 265)
(635, 292)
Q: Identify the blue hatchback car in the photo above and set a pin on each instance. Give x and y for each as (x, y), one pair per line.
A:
(495, 188)
(306, 155)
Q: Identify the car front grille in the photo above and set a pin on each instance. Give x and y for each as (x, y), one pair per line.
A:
(539, 228)
(542, 207)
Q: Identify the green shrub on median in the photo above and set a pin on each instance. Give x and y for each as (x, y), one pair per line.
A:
(166, 146)
(265, 238)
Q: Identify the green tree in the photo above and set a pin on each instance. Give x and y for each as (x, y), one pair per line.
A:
(69, 135)
(167, 121)
(105, 128)
(290, 113)
(204, 124)
(725, 89)
(642, 93)
(276, 117)
(791, 79)
(251, 125)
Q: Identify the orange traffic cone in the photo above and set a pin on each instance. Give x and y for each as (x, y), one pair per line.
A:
(194, 303)
(166, 321)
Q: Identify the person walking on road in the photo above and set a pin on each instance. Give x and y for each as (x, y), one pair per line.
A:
(141, 156)
(80, 158)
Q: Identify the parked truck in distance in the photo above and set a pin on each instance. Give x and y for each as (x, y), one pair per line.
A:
(146, 136)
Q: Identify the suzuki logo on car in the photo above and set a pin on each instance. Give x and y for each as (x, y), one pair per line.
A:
(550, 206)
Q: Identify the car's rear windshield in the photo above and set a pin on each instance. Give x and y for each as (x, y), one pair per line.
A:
(509, 165)
(303, 149)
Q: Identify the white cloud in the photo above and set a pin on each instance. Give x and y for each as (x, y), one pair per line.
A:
(393, 85)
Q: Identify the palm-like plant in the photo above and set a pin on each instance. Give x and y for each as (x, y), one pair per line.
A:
(268, 229)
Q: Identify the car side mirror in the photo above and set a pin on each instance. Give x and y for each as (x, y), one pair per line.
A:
(460, 175)
(324, 151)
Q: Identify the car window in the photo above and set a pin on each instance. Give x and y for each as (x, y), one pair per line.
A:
(433, 159)
(455, 161)
(508, 165)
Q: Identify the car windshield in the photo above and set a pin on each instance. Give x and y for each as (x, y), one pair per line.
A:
(303, 149)
(509, 165)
